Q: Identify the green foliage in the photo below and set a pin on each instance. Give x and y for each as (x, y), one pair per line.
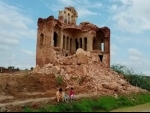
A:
(121, 69)
(104, 103)
(31, 68)
(107, 103)
(139, 80)
(59, 80)
(27, 109)
(123, 101)
(11, 67)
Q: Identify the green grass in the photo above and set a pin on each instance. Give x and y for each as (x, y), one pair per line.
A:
(104, 103)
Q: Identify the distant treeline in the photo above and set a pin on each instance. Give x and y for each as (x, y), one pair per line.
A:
(11, 69)
(135, 79)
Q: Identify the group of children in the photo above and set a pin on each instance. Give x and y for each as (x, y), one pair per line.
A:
(64, 96)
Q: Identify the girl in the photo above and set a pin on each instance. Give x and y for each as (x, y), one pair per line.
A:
(71, 94)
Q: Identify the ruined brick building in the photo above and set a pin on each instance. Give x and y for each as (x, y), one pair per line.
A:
(65, 34)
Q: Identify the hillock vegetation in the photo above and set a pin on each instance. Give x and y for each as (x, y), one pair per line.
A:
(104, 103)
(135, 79)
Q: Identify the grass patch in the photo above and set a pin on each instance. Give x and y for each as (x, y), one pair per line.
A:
(104, 103)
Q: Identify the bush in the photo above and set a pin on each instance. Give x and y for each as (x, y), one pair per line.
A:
(59, 80)
(135, 79)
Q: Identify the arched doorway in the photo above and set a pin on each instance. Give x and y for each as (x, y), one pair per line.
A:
(55, 39)
(98, 41)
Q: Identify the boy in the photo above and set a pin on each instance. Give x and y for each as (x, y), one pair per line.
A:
(59, 94)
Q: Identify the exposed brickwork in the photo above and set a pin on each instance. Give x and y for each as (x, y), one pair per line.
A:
(65, 34)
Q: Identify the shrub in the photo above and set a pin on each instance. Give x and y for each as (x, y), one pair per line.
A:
(59, 80)
(135, 79)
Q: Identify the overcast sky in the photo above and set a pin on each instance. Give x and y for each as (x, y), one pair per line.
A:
(129, 21)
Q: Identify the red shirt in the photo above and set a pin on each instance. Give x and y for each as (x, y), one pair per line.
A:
(71, 93)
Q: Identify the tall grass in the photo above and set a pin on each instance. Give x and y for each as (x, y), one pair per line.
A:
(104, 103)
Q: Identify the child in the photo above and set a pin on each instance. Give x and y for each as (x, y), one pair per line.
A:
(59, 94)
(71, 94)
(65, 96)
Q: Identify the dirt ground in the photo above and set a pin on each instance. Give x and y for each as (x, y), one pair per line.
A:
(23, 88)
(20, 89)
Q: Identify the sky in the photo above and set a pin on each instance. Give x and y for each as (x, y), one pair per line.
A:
(128, 20)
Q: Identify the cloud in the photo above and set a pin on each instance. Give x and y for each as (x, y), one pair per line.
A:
(30, 53)
(4, 47)
(9, 41)
(113, 7)
(148, 42)
(132, 15)
(138, 65)
(113, 49)
(135, 61)
(147, 73)
(134, 58)
(122, 39)
(15, 26)
(134, 52)
(83, 7)
(82, 12)
(20, 58)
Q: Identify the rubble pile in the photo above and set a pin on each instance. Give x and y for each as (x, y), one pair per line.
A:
(85, 70)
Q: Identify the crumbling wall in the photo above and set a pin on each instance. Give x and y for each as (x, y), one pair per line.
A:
(85, 70)
(64, 33)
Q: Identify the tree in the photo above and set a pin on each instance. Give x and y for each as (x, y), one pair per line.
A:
(11, 68)
(18, 69)
(32, 68)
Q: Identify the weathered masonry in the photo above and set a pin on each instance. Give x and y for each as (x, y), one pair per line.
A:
(65, 34)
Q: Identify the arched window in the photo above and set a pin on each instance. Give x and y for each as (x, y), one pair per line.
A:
(85, 44)
(67, 43)
(55, 39)
(98, 41)
(80, 42)
(76, 43)
(72, 19)
(65, 17)
(64, 42)
(70, 44)
(41, 39)
(68, 18)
